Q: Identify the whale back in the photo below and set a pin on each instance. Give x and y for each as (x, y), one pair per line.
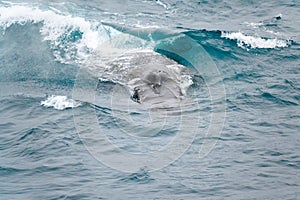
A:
(148, 77)
(155, 78)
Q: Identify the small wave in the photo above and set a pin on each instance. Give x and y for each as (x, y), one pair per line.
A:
(166, 6)
(246, 41)
(60, 102)
(142, 177)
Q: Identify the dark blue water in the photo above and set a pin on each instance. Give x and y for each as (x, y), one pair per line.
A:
(54, 112)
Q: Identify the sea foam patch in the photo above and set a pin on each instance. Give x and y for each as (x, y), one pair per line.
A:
(255, 42)
(60, 102)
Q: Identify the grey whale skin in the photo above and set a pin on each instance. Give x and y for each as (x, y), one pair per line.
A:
(152, 77)
(156, 82)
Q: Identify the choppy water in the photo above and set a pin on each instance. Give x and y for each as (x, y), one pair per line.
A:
(234, 134)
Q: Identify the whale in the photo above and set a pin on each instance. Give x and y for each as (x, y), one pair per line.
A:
(150, 75)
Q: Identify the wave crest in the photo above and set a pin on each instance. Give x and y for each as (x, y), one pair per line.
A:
(71, 37)
(246, 41)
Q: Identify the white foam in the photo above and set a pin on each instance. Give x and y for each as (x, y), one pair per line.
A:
(60, 102)
(162, 4)
(254, 25)
(55, 25)
(255, 42)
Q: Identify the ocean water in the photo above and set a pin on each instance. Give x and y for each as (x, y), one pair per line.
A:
(69, 128)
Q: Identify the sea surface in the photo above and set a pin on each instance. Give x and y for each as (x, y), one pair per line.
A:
(69, 128)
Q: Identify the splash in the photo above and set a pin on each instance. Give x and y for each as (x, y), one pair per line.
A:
(60, 102)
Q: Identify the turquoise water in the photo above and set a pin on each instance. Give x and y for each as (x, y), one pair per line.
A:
(55, 106)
